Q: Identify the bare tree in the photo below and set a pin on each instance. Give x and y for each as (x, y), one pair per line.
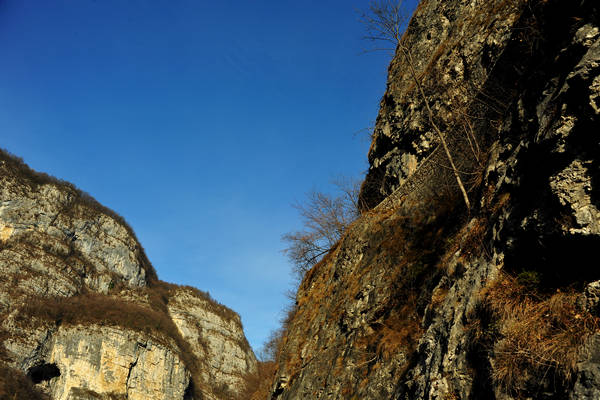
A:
(270, 347)
(411, 66)
(325, 218)
(385, 21)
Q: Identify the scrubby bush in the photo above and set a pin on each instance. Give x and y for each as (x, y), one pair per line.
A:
(15, 385)
(257, 386)
(532, 335)
(325, 218)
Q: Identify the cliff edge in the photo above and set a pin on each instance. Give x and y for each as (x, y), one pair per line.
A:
(425, 299)
(83, 315)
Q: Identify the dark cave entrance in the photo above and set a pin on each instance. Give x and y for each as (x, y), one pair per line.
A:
(189, 391)
(43, 372)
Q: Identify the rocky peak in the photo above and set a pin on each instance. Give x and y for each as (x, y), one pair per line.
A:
(83, 314)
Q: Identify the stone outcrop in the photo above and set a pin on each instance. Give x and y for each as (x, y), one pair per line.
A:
(89, 362)
(423, 299)
(57, 240)
(84, 316)
(216, 333)
(467, 57)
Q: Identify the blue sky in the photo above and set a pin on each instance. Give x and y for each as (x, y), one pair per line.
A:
(200, 122)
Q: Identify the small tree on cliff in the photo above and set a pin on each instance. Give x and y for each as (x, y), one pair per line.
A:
(325, 218)
(385, 21)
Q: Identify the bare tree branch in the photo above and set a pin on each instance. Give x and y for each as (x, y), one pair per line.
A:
(385, 21)
(325, 218)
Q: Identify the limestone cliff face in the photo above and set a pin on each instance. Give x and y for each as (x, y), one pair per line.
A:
(423, 299)
(83, 315)
(219, 337)
(103, 362)
(56, 240)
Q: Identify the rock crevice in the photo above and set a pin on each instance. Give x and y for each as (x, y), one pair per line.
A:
(423, 299)
(83, 313)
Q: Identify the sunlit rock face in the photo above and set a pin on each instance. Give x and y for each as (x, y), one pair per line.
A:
(422, 299)
(216, 332)
(87, 362)
(457, 49)
(45, 222)
(83, 315)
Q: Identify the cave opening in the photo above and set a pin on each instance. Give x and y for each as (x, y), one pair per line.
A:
(189, 391)
(43, 372)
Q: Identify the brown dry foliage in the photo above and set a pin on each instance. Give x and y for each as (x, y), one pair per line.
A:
(14, 385)
(160, 292)
(539, 336)
(102, 310)
(257, 386)
(399, 332)
(90, 394)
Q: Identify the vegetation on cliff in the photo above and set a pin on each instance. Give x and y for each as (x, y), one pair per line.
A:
(72, 263)
(465, 275)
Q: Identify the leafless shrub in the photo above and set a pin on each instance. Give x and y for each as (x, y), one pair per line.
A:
(257, 385)
(325, 217)
(384, 22)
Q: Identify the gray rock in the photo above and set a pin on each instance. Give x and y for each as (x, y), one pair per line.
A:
(530, 88)
(55, 242)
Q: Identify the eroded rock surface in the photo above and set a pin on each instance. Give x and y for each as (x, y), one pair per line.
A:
(83, 314)
(423, 299)
(102, 361)
(216, 332)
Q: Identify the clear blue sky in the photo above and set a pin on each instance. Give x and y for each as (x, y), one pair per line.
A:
(200, 122)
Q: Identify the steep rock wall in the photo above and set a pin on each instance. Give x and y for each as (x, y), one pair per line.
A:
(83, 314)
(56, 240)
(467, 56)
(216, 334)
(87, 362)
(422, 299)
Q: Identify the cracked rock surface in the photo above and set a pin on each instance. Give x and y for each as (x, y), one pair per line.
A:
(400, 307)
(83, 314)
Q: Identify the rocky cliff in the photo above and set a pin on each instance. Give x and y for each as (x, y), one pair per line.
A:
(424, 298)
(83, 314)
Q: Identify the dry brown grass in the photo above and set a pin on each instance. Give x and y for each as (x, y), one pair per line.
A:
(14, 385)
(93, 308)
(102, 310)
(400, 332)
(160, 292)
(257, 386)
(3, 336)
(539, 337)
(438, 296)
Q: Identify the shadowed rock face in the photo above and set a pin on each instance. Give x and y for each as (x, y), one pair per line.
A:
(467, 56)
(83, 314)
(422, 299)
